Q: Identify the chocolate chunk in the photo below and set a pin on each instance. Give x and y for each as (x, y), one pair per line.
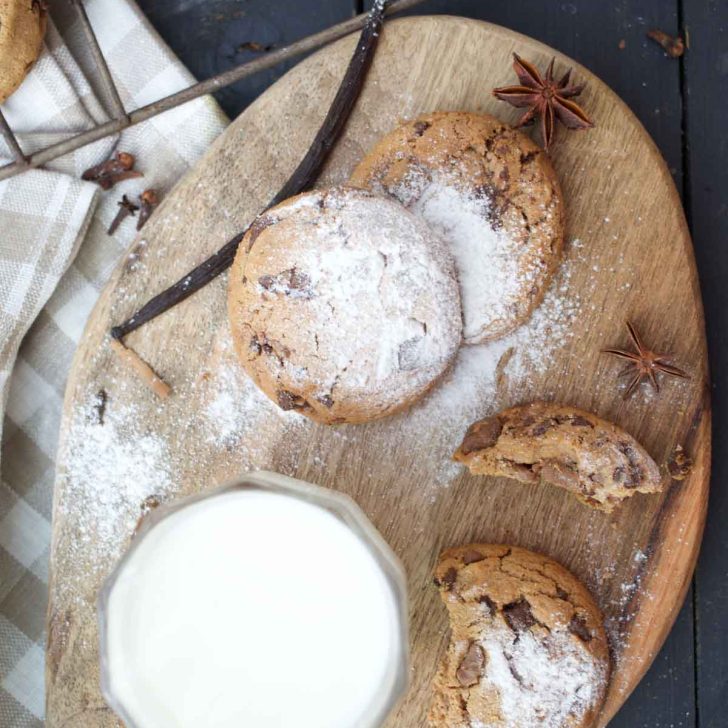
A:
(254, 345)
(561, 594)
(481, 435)
(298, 281)
(289, 282)
(560, 474)
(326, 400)
(286, 400)
(464, 709)
(472, 556)
(578, 627)
(448, 580)
(290, 401)
(267, 282)
(635, 475)
(528, 157)
(543, 427)
(471, 666)
(579, 421)
(489, 603)
(421, 127)
(518, 615)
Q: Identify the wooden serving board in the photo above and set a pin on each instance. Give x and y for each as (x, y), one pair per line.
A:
(628, 255)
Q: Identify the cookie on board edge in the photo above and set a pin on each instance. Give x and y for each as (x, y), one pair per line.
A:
(343, 306)
(22, 27)
(492, 193)
(527, 648)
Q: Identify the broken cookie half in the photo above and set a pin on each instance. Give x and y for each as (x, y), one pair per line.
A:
(527, 648)
(597, 461)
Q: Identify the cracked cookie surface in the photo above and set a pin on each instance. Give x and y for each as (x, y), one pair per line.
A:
(343, 305)
(528, 647)
(597, 461)
(492, 194)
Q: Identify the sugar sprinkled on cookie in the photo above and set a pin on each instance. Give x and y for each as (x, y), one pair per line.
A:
(492, 194)
(344, 306)
(528, 646)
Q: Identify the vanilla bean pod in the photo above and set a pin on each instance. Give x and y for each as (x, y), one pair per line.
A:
(302, 178)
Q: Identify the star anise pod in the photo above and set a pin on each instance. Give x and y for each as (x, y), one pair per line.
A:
(643, 364)
(545, 98)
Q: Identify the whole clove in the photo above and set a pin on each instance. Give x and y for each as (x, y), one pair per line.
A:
(113, 170)
(126, 208)
(148, 200)
(673, 46)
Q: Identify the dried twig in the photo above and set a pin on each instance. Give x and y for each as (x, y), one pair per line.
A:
(146, 373)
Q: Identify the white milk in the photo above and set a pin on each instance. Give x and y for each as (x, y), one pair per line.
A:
(251, 609)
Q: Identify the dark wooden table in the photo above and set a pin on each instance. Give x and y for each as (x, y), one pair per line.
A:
(681, 103)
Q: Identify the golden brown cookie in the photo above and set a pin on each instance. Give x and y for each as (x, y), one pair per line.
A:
(22, 27)
(493, 194)
(527, 648)
(597, 461)
(343, 305)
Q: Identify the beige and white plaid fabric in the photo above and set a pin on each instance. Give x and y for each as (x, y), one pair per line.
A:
(54, 258)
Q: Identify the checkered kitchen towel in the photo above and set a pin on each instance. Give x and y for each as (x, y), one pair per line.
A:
(54, 258)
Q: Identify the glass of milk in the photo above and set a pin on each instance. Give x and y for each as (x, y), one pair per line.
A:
(266, 602)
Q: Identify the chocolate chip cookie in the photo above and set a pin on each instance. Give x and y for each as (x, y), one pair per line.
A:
(527, 648)
(22, 27)
(343, 305)
(597, 461)
(492, 194)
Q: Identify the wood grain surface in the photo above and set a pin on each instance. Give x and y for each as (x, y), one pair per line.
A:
(635, 260)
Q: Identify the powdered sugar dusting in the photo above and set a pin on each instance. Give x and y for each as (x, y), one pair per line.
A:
(117, 462)
(113, 464)
(488, 261)
(111, 468)
(541, 681)
(473, 388)
(234, 407)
